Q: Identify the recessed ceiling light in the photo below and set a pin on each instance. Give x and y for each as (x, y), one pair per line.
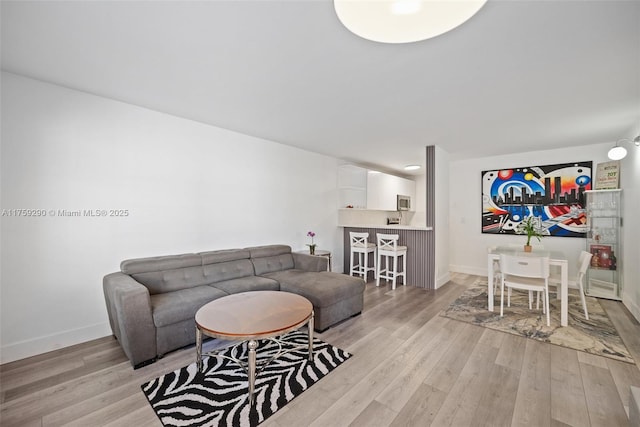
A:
(404, 21)
(411, 167)
(374, 172)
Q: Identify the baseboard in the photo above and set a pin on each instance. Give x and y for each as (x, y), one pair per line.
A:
(442, 280)
(33, 347)
(465, 269)
(632, 306)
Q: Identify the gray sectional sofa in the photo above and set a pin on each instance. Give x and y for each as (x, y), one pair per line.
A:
(152, 302)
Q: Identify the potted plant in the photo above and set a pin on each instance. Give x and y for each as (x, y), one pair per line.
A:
(312, 246)
(530, 227)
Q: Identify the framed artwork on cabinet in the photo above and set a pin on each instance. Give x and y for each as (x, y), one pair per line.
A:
(608, 175)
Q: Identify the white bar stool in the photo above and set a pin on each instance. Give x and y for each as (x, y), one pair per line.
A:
(388, 248)
(360, 245)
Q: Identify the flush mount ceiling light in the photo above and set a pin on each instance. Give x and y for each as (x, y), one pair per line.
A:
(404, 21)
(618, 152)
(411, 167)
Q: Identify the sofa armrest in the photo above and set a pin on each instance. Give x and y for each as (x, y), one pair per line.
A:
(310, 262)
(129, 308)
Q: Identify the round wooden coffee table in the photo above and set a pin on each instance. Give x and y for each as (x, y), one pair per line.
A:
(251, 316)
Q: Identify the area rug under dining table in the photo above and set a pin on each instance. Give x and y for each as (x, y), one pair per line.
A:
(217, 396)
(597, 335)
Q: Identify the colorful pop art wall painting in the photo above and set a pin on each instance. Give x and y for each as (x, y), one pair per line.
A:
(554, 193)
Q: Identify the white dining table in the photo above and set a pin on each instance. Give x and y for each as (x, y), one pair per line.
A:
(555, 258)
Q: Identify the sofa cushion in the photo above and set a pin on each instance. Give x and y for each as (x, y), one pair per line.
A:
(223, 271)
(224, 255)
(159, 263)
(321, 288)
(268, 250)
(159, 282)
(246, 284)
(272, 264)
(173, 307)
(267, 259)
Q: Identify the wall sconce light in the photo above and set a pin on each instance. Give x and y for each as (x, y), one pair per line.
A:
(618, 152)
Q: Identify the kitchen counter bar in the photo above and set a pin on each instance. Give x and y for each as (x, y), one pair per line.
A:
(418, 240)
(389, 226)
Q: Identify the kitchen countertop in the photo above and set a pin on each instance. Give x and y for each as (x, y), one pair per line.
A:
(390, 226)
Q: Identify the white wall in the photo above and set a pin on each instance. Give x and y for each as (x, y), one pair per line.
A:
(630, 183)
(419, 218)
(467, 244)
(441, 229)
(187, 187)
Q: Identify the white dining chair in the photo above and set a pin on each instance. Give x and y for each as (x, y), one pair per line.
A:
(529, 273)
(583, 264)
(497, 274)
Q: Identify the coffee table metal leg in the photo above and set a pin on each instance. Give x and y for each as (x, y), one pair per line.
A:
(252, 370)
(310, 327)
(199, 349)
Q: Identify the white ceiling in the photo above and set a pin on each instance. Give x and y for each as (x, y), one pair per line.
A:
(519, 76)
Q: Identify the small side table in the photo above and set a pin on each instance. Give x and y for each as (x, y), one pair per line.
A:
(320, 252)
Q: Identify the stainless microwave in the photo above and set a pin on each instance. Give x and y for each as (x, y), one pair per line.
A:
(404, 202)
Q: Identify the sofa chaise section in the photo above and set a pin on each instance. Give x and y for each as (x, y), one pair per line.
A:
(335, 297)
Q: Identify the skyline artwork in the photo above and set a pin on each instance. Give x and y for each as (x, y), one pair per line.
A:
(554, 193)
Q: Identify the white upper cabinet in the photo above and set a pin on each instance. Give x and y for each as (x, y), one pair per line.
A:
(383, 189)
(360, 188)
(352, 187)
(407, 187)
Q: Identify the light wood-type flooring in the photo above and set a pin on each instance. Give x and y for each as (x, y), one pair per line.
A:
(410, 367)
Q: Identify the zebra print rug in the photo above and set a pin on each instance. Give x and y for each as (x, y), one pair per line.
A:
(217, 396)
